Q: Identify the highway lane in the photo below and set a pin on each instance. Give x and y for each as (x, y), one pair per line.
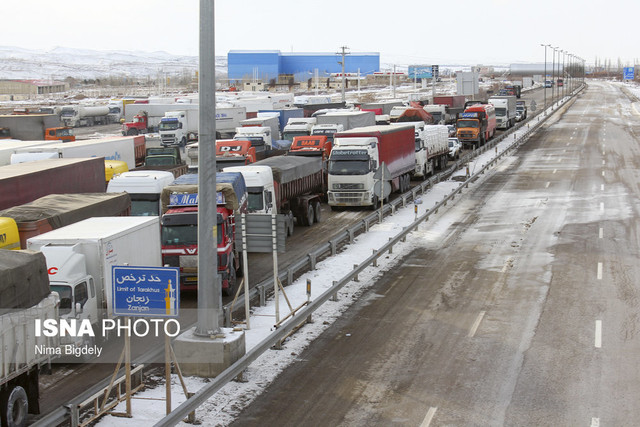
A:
(524, 312)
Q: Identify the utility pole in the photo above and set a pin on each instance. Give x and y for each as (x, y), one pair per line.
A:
(343, 53)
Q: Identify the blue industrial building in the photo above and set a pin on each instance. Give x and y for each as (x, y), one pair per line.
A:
(270, 64)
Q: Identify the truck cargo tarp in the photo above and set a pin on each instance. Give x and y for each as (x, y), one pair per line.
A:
(415, 115)
(229, 183)
(348, 119)
(25, 281)
(288, 168)
(64, 209)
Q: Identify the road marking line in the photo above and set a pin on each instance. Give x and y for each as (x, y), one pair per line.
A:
(476, 324)
(427, 419)
(604, 153)
(559, 160)
(601, 233)
(602, 187)
(599, 271)
(555, 170)
(601, 206)
(603, 162)
(547, 185)
(598, 341)
(595, 422)
(602, 173)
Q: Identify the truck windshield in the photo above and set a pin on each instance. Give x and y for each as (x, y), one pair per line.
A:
(348, 167)
(255, 201)
(501, 112)
(168, 125)
(467, 124)
(437, 115)
(144, 208)
(290, 135)
(180, 234)
(160, 161)
(67, 112)
(327, 132)
(64, 132)
(66, 300)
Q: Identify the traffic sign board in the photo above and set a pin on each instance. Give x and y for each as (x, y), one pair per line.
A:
(382, 170)
(146, 291)
(629, 73)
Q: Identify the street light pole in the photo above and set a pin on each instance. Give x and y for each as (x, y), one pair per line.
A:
(544, 80)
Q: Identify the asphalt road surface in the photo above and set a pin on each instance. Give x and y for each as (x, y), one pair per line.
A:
(523, 313)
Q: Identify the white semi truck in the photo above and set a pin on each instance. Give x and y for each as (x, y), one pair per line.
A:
(298, 126)
(505, 110)
(144, 187)
(80, 257)
(179, 127)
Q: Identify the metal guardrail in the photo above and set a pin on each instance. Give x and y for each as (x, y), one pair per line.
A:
(301, 316)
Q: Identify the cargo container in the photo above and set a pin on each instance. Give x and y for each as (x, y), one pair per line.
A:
(26, 182)
(113, 148)
(8, 148)
(80, 257)
(59, 210)
(29, 127)
(284, 114)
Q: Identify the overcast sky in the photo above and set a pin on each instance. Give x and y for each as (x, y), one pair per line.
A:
(414, 32)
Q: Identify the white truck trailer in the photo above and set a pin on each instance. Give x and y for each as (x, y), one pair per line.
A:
(26, 298)
(432, 149)
(80, 257)
(298, 126)
(114, 148)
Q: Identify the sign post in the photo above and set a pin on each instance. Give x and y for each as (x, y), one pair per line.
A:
(146, 291)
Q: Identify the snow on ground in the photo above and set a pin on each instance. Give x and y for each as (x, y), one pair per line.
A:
(222, 408)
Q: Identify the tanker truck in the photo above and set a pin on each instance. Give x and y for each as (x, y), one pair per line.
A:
(84, 115)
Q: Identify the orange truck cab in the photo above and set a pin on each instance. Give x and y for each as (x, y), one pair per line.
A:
(314, 145)
(64, 134)
(230, 152)
(476, 125)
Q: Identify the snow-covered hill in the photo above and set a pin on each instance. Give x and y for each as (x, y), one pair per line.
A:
(60, 63)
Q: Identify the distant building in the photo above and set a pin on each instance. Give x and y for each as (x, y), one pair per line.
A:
(31, 87)
(273, 65)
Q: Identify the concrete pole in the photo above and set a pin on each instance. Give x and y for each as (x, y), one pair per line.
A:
(209, 292)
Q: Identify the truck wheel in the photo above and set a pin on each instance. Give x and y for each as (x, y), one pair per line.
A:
(317, 211)
(308, 220)
(132, 132)
(232, 282)
(17, 407)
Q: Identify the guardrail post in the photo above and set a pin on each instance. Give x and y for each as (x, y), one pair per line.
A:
(263, 295)
(75, 415)
(334, 297)
(404, 238)
(355, 279)
(351, 235)
(334, 247)
(393, 208)
(312, 261)
(226, 315)
(366, 225)
(290, 274)
(309, 320)
(391, 247)
(375, 260)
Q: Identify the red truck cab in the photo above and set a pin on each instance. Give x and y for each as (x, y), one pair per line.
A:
(180, 229)
(140, 124)
(231, 152)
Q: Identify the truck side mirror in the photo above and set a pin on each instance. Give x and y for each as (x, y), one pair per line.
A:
(78, 308)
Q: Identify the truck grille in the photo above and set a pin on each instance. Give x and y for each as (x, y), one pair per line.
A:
(349, 198)
(348, 186)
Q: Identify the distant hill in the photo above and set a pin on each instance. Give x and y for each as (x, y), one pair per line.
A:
(60, 63)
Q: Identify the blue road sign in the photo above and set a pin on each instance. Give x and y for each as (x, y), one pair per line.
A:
(146, 291)
(628, 73)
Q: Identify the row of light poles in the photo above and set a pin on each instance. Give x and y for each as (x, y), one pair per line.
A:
(574, 70)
